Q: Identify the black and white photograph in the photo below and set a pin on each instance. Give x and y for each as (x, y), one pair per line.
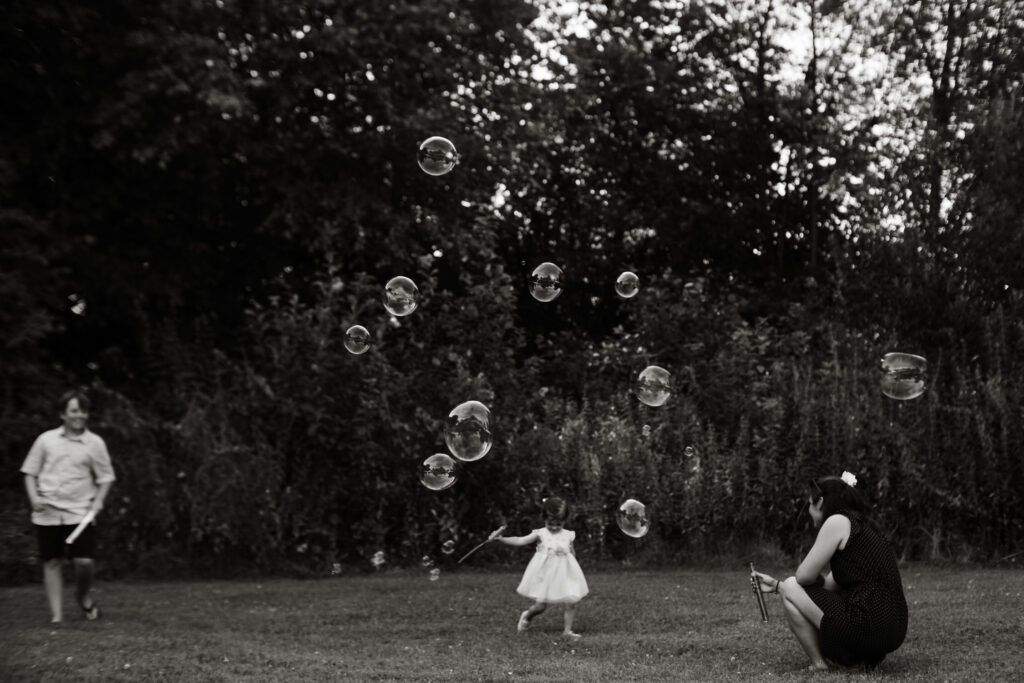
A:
(512, 340)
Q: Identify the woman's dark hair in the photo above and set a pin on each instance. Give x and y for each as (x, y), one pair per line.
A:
(555, 510)
(67, 396)
(839, 498)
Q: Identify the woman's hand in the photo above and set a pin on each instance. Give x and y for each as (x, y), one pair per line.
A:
(768, 583)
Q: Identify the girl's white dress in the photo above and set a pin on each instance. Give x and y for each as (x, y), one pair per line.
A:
(553, 574)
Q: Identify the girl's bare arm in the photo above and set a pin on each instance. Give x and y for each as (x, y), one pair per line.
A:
(518, 540)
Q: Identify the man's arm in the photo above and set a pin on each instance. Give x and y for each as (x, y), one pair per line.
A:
(33, 492)
(101, 494)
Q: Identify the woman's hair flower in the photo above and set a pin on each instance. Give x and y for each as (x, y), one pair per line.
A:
(849, 478)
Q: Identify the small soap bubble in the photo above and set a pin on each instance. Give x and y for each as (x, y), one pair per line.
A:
(632, 518)
(468, 432)
(438, 472)
(335, 568)
(903, 375)
(627, 285)
(357, 339)
(546, 282)
(437, 156)
(401, 296)
(435, 574)
(654, 386)
(378, 559)
(689, 451)
(427, 561)
(646, 431)
(448, 547)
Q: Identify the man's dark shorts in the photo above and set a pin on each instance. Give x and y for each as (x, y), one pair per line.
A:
(52, 545)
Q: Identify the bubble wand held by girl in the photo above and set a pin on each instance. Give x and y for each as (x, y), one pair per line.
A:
(553, 575)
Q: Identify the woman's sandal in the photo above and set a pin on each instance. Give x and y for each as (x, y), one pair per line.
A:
(92, 612)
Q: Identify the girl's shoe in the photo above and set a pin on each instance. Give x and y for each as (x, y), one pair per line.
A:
(524, 622)
(572, 635)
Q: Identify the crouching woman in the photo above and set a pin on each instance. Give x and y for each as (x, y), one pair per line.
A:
(856, 613)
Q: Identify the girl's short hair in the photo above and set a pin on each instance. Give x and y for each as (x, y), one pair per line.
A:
(555, 510)
(839, 498)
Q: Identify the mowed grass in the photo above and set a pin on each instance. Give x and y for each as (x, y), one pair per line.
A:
(965, 625)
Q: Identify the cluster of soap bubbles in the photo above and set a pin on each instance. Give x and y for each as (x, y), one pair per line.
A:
(428, 564)
(468, 436)
(468, 430)
(378, 559)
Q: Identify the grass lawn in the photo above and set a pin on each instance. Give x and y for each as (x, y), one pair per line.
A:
(965, 625)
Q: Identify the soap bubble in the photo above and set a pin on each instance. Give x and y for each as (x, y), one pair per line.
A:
(646, 431)
(903, 375)
(401, 296)
(448, 547)
(632, 518)
(627, 285)
(689, 451)
(654, 386)
(435, 574)
(357, 339)
(427, 561)
(468, 432)
(437, 155)
(546, 282)
(378, 559)
(438, 472)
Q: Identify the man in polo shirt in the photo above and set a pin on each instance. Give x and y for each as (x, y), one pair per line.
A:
(67, 474)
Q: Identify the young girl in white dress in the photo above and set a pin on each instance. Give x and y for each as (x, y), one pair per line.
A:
(553, 575)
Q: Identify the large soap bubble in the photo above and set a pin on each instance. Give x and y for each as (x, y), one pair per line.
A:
(627, 285)
(437, 155)
(438, 472)
(357, 339)
(468, 432)
(546, 282)
(654, 386)
(903, 375)
(401, 296)
(632, 518)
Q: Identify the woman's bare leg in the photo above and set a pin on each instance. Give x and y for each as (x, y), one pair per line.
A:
(804, 619)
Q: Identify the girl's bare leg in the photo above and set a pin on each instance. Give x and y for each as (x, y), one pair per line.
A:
(535, 609)
(569, 616)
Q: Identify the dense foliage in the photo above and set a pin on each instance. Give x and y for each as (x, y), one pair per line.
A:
(198, 198)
